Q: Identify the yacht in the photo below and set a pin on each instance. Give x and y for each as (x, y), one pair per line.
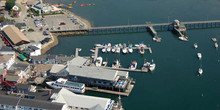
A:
(216, 45)
(124, 49)
(113, 49)
(116, 64)
(133, 65)
(98, 61)
(130, 49)
(195, 45)
(200, 71)
(109, 47)
(152, 65)
(117, 49)
(104, 48)
(199, 55)
(64, 83)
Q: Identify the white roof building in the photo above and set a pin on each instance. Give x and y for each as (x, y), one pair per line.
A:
(81, 102)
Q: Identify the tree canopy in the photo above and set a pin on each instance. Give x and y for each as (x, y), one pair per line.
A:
(9, 4)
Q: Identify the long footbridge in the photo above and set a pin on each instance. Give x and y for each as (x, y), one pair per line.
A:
(147, 27)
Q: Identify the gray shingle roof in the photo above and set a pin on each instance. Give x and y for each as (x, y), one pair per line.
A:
(6, 48)
(19, 66)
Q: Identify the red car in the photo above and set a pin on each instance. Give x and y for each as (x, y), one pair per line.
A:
(62, 23)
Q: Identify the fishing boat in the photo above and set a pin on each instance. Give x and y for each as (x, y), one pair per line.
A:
(113, 49)
(152, 65)
(116, 64)
(98, 45)
(117, 49)
(195, 45)
(124, 49)
(200, 71)
(104, 48)
(98, 61)
(199, 55)
(70, 7)
(216, 45)
(133, 65)
(130, 49)
(64, 83)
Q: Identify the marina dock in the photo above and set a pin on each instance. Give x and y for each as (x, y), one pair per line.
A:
(126, 69)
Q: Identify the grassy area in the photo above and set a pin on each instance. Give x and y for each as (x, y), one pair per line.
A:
(44, 14)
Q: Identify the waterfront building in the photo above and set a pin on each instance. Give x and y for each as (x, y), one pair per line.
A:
(13, 36)
(20, 69)
(44, 8)
(81, 102)
(4, 23)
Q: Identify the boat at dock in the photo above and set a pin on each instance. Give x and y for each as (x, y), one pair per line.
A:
(184, 38)
(146, 66)
(130, 49)
(141, 48)
(120, 45)
(64, 83)
(98, 45)
(133, 65)
(116, 64)
(109, 47)
(113, 49)
(195, 45)
(98, 61)
(200, 71)
(152, 65)
(117, 49)
(216, 45)
(199, 55)
(104, 48)
(124, 49)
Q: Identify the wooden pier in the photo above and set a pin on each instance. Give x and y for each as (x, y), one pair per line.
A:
(142, 28)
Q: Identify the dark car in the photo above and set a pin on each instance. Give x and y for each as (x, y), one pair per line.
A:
(47, 39)
(62, 23)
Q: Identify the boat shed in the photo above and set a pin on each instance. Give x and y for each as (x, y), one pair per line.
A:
(14, 36)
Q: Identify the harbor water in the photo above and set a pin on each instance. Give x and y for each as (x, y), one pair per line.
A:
(175, 84)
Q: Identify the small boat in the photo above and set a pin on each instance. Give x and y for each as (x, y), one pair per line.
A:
(82, 5)
(116, 64)
(124, 49)
(113, 49)
(70, 7)
(200, 71)
(214, 39)
(104, 48)
(117, 49)
(98, 61)
(133, 65)
(69, 4)
(152, 65)
(130, 49)
(216, 45)
(92, 50)
(195, 45)
(141, 50)
(64, 83)
(183, 38)
(199, 55)
(120, 45)
(157, 39)
(98, 45)
(146, 66)
(109, 47)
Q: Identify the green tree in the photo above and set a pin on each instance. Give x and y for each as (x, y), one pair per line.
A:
(9, 4)
(2, 18)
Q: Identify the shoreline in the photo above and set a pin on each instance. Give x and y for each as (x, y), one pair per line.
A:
(54, 36)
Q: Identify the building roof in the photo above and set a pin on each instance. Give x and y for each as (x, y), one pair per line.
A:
(6, 49)
(15, 34)
(78, 61)
(10, 100)
(31, 2)
(82, 101)
(92, 72)
(56, 68)
(33, 47)
(7, 23)
(5, 57)
(11, 78)
(19, 66)
(62, 59)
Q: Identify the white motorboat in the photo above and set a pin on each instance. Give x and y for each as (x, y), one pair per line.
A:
(152, 65)
(98, 61)
(109, 47)
(199, 55)
(200, 71)
(214, 39)
(195, 45)
(183, 38)
(124, 49)
(104, 48)
(216, 45)
(64, 83)
(130, 49)
(133, 65)
(117, 49)
(113, 49)
(120, 45)
(116, 64)
(141, 50)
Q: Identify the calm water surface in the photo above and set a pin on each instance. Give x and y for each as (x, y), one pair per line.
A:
(174, 85)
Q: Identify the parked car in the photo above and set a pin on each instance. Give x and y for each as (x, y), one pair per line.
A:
(62, 23)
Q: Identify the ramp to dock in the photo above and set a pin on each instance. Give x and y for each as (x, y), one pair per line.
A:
(152, 30)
